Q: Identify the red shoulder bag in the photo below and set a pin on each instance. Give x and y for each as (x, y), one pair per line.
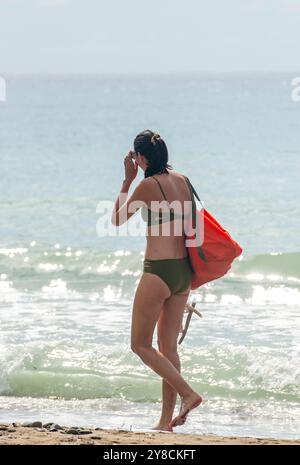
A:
(211, 249)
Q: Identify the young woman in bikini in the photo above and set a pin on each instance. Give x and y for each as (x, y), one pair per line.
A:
(164, 286)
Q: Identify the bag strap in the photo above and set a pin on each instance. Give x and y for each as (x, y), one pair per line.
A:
(194, 214)
(194, 207)
(192, 189)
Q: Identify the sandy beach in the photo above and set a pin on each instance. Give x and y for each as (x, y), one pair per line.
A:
(50, 433)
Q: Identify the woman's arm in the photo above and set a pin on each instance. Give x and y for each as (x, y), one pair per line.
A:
(123, 208)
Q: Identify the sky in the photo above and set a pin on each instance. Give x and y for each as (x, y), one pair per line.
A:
(157, 36)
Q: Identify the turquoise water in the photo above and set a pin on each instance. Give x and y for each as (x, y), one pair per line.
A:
(66, 293)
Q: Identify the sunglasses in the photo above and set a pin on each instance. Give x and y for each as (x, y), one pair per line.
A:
(133, 154)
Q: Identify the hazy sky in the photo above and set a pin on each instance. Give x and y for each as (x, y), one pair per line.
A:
(149, 36)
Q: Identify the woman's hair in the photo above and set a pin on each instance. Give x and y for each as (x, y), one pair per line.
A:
(154, 149)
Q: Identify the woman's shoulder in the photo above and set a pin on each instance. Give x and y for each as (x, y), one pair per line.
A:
(170, 175)
(173, 178)
(179, 177)
(146, 187)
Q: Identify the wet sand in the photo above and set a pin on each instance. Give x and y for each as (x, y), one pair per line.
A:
(13, 434)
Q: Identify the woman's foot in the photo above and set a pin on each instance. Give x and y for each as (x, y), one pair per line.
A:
(187, 404)
(161, 427)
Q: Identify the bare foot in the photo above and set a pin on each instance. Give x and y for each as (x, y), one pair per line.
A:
(163, 427)
(187, 404)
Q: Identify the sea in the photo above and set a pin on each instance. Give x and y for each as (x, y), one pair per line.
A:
(67, 288)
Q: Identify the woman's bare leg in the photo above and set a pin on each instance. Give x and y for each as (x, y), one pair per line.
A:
(169, 397)
(150, 295)
(168, 329)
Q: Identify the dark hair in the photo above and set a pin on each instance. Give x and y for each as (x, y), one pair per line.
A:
(154, 149)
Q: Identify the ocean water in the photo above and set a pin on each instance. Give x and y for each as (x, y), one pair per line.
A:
(66, 293)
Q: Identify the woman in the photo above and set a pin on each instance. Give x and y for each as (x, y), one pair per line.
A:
(164, 287)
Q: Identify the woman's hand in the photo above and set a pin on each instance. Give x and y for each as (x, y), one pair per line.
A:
(131, 169)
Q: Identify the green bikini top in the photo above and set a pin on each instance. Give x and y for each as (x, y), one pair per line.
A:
(153, 218)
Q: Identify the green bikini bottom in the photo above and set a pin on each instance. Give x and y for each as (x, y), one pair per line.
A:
(175, 272)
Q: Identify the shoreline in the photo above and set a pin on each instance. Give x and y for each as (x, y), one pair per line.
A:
(36, 433)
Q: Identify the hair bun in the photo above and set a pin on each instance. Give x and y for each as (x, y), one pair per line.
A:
(154, 138)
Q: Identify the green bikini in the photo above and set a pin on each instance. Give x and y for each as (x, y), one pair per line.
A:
(175, 272)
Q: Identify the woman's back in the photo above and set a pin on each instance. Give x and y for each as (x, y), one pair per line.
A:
(167, 240)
